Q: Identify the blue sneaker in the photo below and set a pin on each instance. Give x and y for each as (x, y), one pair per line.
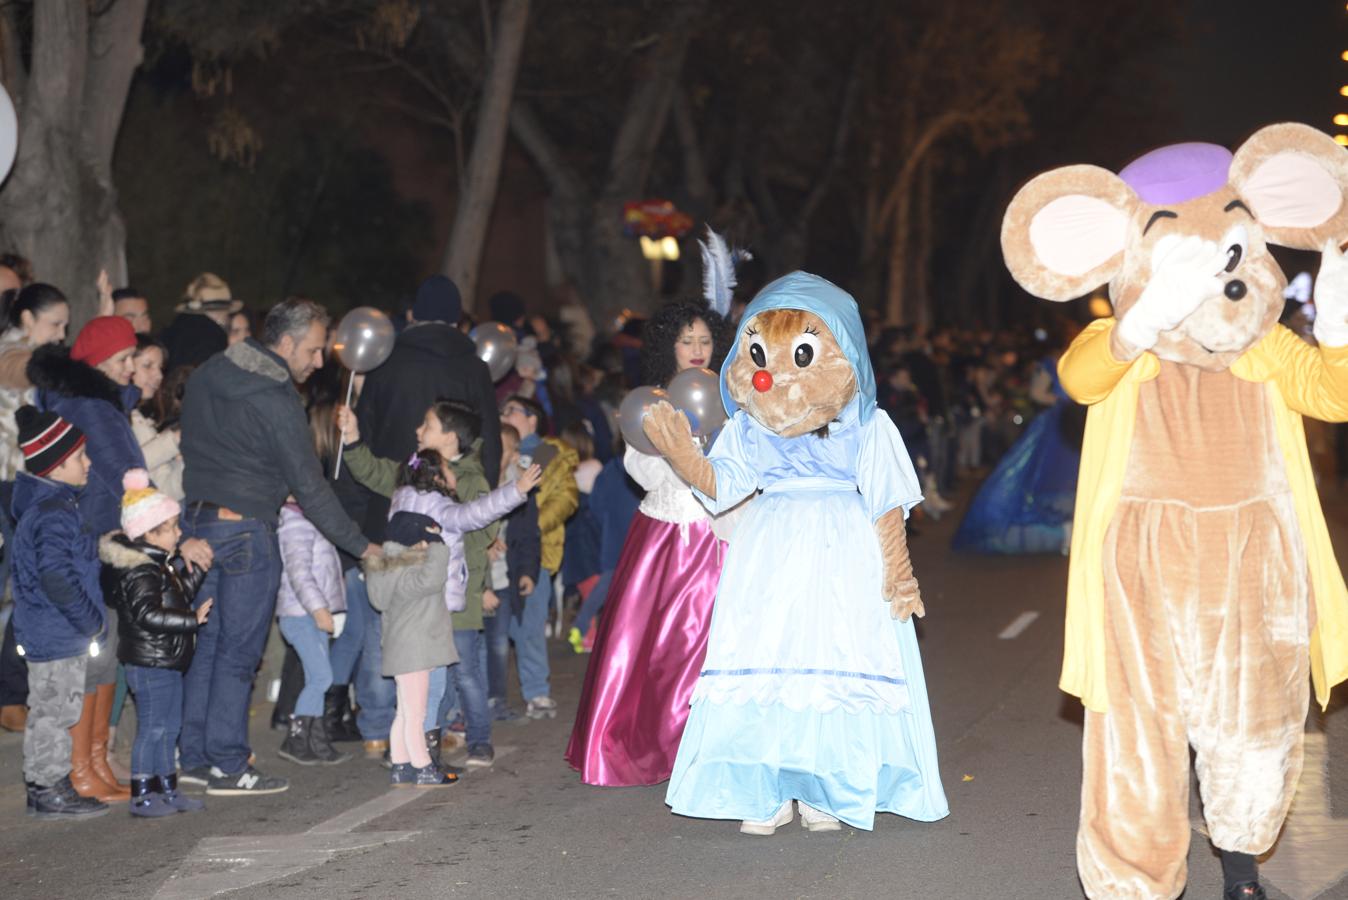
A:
(147, 801)
(402, 775)
(501, 711)
(179, 801)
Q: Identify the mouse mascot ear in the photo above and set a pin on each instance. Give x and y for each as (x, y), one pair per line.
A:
(1064, 232)
(1293, 178)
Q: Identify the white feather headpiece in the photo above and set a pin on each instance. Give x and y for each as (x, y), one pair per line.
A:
(718, 271)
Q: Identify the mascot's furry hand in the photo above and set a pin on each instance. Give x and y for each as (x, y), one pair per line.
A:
(1331, 297)
(1183, 275)
(900, 587)
(671, 434)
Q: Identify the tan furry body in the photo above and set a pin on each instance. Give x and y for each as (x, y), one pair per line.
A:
(1199, 549)
(1207, 612)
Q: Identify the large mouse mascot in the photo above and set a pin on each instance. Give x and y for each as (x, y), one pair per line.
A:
(812, 691)
(1203, 594)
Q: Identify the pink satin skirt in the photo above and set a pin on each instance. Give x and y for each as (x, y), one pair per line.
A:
(652, 639)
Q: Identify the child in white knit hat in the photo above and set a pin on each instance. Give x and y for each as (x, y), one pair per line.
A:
(152, 589)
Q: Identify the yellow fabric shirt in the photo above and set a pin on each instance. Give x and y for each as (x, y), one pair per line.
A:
(1301, 380)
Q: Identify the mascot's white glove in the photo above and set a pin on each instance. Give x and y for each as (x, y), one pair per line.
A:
(1183, 275)
(1331, 297)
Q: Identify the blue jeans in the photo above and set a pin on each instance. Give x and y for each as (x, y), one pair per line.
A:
(217, 688)
(302, 633)
(344, 651)
(594, 603)
(159, 718)
(496, 637)
(376, 695)
(469, 681)
(435, 699)
(531, 643)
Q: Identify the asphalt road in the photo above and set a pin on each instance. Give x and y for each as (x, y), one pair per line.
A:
(1010, 759)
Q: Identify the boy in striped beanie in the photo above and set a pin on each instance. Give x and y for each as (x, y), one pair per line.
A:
(58, 606)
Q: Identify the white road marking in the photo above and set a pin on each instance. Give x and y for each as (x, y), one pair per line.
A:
(1018, 625)
(222, 864)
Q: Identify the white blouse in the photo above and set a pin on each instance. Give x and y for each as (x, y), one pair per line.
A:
(670, 499)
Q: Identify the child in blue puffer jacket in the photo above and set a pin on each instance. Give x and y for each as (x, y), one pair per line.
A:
(59, 618)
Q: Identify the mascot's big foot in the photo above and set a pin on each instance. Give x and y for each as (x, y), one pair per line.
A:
(814, 820)
(769, 826)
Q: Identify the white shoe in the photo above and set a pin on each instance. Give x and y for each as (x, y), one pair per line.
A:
(769, 826)
(814, 820)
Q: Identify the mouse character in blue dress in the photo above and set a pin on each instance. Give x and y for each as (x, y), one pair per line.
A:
(812, 690)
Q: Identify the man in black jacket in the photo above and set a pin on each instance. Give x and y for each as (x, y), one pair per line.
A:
(432, 360)
(246, 445)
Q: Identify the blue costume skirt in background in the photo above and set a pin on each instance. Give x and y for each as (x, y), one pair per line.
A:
(1025, 505)
(810, 690)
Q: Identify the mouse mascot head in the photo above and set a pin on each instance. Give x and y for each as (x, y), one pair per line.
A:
(1181, 236)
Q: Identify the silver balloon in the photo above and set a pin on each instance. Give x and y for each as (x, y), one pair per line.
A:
(9, 134)
(364, 339)
(698, 393)
(630, 413)
(496, 346)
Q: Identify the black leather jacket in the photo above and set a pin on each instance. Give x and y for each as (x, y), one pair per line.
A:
(156, 626)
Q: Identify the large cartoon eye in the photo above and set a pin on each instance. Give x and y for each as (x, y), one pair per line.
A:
(1235, 242)
(757, 354)
(804, 350)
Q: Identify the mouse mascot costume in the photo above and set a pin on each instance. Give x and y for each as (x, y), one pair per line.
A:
(812, 689)
(1203, 594)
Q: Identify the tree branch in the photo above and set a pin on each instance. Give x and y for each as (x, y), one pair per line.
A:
(115, 52)
(841, 132)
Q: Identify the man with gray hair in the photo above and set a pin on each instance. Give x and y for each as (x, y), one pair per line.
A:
(246, 445)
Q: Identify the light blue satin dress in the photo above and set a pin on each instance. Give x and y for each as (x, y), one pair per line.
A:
(810, 690)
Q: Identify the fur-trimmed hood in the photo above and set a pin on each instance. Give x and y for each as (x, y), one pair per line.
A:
(120, 552)
(52, 369)
(396, 556)
(252, 357)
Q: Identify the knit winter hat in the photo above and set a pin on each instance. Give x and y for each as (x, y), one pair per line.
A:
(46, 439)
(143, 507)
(437, 300)
(100, 338)
(408, 528)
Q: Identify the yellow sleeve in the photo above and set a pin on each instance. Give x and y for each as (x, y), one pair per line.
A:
(1089, 370)
(1312, 380)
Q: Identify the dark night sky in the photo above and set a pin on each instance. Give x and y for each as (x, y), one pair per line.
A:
(1250, 63)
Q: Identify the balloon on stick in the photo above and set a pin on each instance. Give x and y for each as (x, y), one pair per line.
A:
(9, 134)
(630, 413)
(698, 393)
(363, 342)
(496, 346)
(364, 339)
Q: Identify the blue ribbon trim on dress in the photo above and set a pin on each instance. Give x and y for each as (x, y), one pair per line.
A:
(834, 672)
(811, 483)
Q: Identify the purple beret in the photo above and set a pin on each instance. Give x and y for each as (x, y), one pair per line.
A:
(1178, 173)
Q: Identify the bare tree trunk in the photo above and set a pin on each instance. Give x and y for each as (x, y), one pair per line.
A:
(59, 207)
(463, 255)
(623, 275)
(898, 207)
(924, 302)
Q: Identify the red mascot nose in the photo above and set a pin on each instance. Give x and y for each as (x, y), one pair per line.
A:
(762, 381)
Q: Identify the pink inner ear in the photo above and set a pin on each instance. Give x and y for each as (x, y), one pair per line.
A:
(1073, 234)
(1292, 190)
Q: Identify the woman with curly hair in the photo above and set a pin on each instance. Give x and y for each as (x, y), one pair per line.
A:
(653, 632)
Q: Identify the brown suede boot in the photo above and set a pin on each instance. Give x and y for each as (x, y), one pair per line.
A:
(98, 745)
(82, 776)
